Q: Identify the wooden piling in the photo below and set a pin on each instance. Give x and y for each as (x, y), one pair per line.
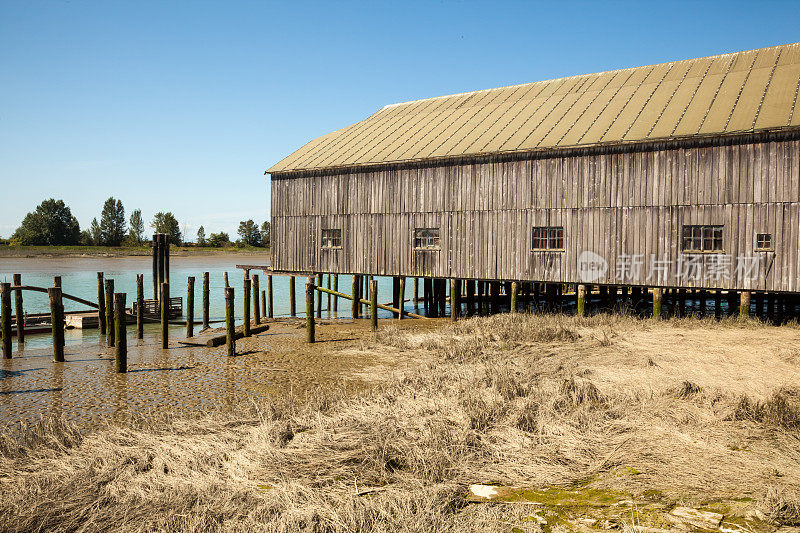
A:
(160, 259)
(57, 322)
(328, 285)
(264, 304)
(246, 306)
(401, 296)
(256, 306)
(5, 318)
(101, 303)
(581, 295)
(335, 299)
(140, 306)
(110, 312)
(657, 298)
(18, 310)
(373, 304)
(319, 301)
(355, 297)
(416, 294)
(230, 341)
(292, 300)
(269, 297)
(206, 302)
(513, 294)
(744, 304)
(155, 269)
(225, 276)
(717, 304)
(455, 299)
(426, 295)
(166, 257)
(165, 315)
(494, 288)
(190, 307)
(310, 309)
(120, 333)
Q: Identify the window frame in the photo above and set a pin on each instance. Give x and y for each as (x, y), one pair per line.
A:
(760, 248)
(703, 234)
(434, 240)
(330, 239)
(553, 234)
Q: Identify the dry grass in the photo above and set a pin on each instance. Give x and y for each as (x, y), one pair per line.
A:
(532, 401)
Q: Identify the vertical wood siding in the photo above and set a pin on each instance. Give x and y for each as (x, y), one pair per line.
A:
(617, 202)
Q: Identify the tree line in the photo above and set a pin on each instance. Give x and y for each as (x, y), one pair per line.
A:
(52, 224)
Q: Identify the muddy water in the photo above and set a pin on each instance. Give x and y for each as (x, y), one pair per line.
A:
(85, 389)
(79, 278)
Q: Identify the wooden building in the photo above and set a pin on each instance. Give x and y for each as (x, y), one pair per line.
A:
(683, 174)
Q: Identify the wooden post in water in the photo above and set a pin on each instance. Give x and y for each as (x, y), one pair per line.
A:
(225, 275)
(190, 307)
(19, 311)
(121, 333)
(155, 268)
(319, 301)
(416, 294)
(470, 297)
(455, 299)
(581, 293)
(165, 315)
(373, 304)
(328, 285)
(514, 293)
(5, 318)
(57, 321)
(744, 304)
(292, 299)
(310, 309)
(230, 339)
(246, 305)
(657, 297)
(269, 297)
(166, 257)
(355, 296)
(264, 304)
(110, 312)
(256, 306)
(160, 259)
(140, 306)
(336, 299)
(401, 296)
(206, 303)
(101, 303)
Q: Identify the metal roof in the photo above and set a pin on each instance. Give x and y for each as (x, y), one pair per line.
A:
(740, 92)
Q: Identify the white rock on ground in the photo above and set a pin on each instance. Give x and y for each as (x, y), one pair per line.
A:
(695, 517)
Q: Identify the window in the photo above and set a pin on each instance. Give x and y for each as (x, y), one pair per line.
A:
(426, 239)
(331, 238)
(702, 239)
(764, 242)
(548, 238)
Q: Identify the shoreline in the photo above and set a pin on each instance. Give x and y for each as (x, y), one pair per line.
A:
(31, 252)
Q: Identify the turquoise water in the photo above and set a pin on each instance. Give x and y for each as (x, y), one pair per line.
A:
(79, 278)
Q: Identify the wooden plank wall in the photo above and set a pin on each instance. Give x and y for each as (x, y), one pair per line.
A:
(631, 201)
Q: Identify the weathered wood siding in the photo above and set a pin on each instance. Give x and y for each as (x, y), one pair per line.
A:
(631, 200)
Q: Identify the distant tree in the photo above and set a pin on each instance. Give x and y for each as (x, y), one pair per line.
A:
(249, 232)
(217, 240)
(112, 223)
(50, 224)
(266, 234)
(201, 236)
(137, 226)
(167, 223)
(95, 232)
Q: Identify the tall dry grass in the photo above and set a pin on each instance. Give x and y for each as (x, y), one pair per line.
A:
(512, 399)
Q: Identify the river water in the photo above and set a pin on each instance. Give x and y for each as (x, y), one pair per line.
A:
(79, 278)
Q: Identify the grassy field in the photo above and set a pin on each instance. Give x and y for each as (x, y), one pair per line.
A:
(119, 251)
(604, 422)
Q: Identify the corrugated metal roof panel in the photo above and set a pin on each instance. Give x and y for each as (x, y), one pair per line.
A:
(740, 92)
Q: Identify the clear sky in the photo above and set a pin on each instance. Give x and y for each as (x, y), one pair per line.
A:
(180, 106)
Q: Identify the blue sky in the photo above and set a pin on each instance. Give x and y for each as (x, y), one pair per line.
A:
(181, 106)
